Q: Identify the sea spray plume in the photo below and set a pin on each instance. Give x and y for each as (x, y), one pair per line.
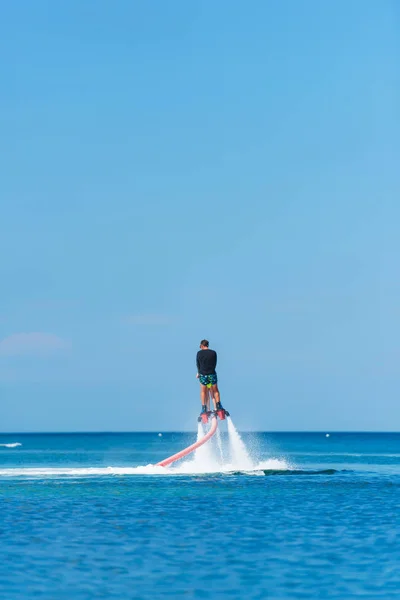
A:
(204, 456)
(219, 445)
(240, 456)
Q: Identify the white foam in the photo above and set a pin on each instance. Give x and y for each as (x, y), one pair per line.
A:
(80, 471)
(15, 445)
(274, 464)
(186, 468)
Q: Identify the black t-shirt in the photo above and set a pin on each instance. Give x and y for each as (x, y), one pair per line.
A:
(206, 361)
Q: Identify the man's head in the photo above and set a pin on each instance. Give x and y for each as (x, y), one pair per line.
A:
(204, 344)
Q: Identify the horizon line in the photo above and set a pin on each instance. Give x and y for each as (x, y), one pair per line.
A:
(116, 432)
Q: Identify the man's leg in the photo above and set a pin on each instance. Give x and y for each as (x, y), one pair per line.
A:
(216, 396)
(203, 397)
(210, 396)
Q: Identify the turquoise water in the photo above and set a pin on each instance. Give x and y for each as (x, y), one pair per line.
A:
(83, 516)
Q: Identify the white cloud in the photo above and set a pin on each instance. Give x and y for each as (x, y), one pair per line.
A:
(149, 319)
(38, 343)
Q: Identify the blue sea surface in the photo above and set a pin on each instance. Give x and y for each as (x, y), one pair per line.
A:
(83, 517)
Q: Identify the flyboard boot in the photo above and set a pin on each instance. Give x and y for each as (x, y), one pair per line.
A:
(204, 415)
(221, 412)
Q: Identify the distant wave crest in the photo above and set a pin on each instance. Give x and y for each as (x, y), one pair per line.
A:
(15, 445)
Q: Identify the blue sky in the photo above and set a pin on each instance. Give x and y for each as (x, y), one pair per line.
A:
(179, 170)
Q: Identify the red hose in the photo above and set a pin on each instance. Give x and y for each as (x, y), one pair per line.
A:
(189, 449)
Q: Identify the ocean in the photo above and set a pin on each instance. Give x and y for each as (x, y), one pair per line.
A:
(267, 515)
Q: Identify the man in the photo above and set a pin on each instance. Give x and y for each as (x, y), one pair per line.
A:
(206, 361)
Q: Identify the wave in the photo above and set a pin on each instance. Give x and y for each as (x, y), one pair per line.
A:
(14, 445)
(346, 454)
(186, 468)
(304, 472)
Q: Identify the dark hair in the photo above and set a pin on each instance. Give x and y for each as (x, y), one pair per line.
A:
(204, 343)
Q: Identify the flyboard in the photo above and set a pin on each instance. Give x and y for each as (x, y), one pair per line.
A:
(221, 413)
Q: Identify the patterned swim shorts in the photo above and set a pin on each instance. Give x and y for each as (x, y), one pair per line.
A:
(208, 380)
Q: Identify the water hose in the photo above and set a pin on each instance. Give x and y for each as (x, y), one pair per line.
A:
(189, 449)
